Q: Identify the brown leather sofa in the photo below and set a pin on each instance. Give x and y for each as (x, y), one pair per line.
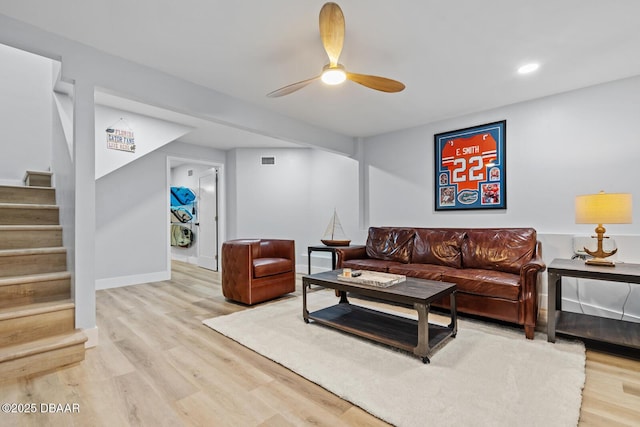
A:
(257, 270)
(495, 269)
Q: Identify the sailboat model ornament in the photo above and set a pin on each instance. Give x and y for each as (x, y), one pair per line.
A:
(334, 234)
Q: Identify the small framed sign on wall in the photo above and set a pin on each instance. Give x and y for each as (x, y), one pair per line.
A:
(120, 137)
(470, 168)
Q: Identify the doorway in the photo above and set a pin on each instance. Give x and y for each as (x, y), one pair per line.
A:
(205, 180)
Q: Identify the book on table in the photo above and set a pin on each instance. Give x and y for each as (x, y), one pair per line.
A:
(373, 278)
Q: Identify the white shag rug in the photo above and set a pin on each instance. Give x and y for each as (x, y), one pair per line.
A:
(487, 376)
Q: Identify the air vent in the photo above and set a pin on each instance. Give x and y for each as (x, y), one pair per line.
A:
(190, 172)
(268, 160)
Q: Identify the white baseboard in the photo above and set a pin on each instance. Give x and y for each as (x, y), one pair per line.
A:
(182, 258)
(92, 337)
(117, 282)
(315, 269)
(304, 269)
(320, 261)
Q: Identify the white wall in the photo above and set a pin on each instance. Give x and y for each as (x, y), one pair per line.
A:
(334, 185)
(232, 195)
(150, 134)
(131, 224)
(557, 147)
(25, 114)
(272, 200)
(294, 198)
(64, 173)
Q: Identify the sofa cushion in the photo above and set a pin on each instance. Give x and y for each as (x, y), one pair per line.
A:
(421, 271)
(500, 249)
(496, 284)
(438, 246)
(369, 264)
(263, 267)
(390, 244)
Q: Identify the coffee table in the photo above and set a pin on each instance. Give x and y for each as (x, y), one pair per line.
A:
(418, 337)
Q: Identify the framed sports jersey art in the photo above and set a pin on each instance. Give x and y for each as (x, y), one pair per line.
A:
(470, 168)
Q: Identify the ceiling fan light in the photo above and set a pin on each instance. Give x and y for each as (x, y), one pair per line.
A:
(334, 76)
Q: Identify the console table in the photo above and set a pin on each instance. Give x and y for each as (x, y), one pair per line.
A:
(324, 248)
(593, 328)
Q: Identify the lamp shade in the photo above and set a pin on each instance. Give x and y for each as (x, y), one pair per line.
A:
(603, 208)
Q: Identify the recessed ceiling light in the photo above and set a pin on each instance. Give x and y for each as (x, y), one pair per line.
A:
(528, 68)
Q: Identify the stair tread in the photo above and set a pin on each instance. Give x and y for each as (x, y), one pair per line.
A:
(30, 172)
(35, 227)
(27, 206)
(30, 187)
(35, 308)
(30, 278)
(42, 345)
(32, 251)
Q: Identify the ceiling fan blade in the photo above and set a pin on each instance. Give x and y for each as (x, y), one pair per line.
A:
(291, 88)
(332, 31)
(378, 83)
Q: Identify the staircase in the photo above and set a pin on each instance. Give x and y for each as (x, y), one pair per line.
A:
(37, 314)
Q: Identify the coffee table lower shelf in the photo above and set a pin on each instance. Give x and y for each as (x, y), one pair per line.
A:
(388, 329)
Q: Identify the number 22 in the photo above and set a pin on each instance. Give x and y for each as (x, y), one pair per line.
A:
(475, 169)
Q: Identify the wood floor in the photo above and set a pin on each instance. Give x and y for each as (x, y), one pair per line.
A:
(157, 365)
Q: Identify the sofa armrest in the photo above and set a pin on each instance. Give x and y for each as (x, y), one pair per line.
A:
(344, 254)
(529, 279)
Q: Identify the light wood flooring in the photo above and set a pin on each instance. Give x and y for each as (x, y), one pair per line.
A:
(157, 365)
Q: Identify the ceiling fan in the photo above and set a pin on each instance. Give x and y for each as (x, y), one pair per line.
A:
(332, 35)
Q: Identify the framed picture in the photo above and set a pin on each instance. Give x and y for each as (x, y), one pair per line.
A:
(470, 168)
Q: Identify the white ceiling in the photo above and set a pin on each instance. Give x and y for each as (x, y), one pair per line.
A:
(455, 57)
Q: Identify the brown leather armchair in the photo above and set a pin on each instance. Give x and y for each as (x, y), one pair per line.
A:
(256, 270)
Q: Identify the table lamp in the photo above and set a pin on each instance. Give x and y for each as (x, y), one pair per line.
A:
(602, 208)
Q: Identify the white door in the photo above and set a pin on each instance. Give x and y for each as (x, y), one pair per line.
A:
(208, 220)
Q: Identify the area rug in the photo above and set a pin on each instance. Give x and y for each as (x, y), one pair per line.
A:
(487, 376)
